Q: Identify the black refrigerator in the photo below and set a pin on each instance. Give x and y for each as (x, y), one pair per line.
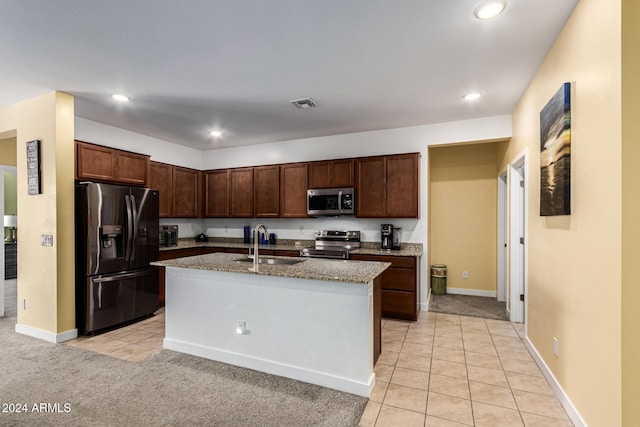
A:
(116, 239)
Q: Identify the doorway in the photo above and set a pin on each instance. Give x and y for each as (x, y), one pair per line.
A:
(8, 213)
(517, 241)
(10, 253)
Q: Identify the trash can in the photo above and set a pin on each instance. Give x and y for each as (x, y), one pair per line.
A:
(438, 279)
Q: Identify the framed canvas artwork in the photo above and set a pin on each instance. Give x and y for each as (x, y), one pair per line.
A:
(555, 154)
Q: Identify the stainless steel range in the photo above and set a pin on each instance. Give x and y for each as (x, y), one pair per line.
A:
(333, 244)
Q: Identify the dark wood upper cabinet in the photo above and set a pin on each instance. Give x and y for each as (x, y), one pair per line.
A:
(186, 192)
(402, 186)
(387, 186)
(217, 185)
(161, 179)
(267, 191)
(131, 168)
(320, 174)
(241, 192)
(94, 162)
(293, 190)
(98, 163)
(331, 173)
(370, 187)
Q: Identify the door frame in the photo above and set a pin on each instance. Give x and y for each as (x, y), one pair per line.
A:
(503, 233)
(3, 169)
(518, 207)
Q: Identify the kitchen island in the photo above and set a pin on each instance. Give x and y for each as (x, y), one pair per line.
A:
(315, 320)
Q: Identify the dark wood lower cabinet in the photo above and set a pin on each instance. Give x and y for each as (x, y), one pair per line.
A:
(399, 286)
(162, 273)
(377, 316)
(10, 260)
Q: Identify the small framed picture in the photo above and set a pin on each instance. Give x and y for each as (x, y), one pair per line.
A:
(33, 167)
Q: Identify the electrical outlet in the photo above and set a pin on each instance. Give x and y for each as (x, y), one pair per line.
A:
(24, 303)
(555, 347)
(241, 328)
(465, 274)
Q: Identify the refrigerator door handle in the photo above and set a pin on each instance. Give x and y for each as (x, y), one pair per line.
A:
(119, 277)
(127, 200)
(134, 242)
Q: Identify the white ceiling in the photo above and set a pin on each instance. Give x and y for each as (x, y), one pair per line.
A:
(193, 66)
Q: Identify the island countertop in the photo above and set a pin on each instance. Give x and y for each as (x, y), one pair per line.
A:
(308, 268)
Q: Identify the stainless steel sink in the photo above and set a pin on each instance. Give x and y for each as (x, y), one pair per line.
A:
(272, 261)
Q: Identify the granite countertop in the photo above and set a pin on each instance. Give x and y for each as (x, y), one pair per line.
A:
(308, 268)
(284, 246)
(368, 248)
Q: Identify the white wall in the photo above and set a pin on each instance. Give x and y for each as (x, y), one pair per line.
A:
(159, 150)
(389, 141)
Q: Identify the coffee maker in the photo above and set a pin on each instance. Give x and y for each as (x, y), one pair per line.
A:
(386, 237)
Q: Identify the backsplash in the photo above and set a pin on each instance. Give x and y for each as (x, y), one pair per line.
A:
(295, 229)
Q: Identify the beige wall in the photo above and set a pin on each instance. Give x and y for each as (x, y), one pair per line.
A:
(45, 274)
(574, 279)
(463, 214)
(630, 213)
(8, 151)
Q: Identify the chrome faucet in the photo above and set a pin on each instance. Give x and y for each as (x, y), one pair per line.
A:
(256, 239)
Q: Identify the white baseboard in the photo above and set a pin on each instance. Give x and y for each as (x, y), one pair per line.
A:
(472, 292)
(347, 385)
(566, 403)
(46, 335)
(424, 306)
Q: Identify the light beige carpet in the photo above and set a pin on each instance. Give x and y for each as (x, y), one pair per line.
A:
(467, 305)
(169, 389)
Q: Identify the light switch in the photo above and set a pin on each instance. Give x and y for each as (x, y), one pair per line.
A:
(46, 239)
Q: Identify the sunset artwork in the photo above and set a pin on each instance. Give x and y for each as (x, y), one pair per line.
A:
(555, 154)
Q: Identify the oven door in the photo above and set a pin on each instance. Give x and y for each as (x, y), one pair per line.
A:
(330, 201)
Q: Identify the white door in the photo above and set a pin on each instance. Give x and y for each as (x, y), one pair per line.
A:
(517, 225)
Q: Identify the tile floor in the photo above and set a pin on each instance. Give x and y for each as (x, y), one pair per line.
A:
(133, 343)
(443, 370)
(449, 370)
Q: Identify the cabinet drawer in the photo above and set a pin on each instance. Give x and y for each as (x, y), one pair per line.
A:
(399, 279)
(396, 261)
(178, 253)
(399, 305)
(290, 253)
(205, 251)
(238, 251)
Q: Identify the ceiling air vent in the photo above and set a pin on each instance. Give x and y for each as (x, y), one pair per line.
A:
(304, 103)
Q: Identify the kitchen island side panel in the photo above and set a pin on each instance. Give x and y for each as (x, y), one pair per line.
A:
(314, 331)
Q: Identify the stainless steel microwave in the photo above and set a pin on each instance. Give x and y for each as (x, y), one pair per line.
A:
(331, 201)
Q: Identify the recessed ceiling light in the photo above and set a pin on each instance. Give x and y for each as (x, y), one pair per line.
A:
(119, 97)
(471, 96)
(216, 133)
(490, 9)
